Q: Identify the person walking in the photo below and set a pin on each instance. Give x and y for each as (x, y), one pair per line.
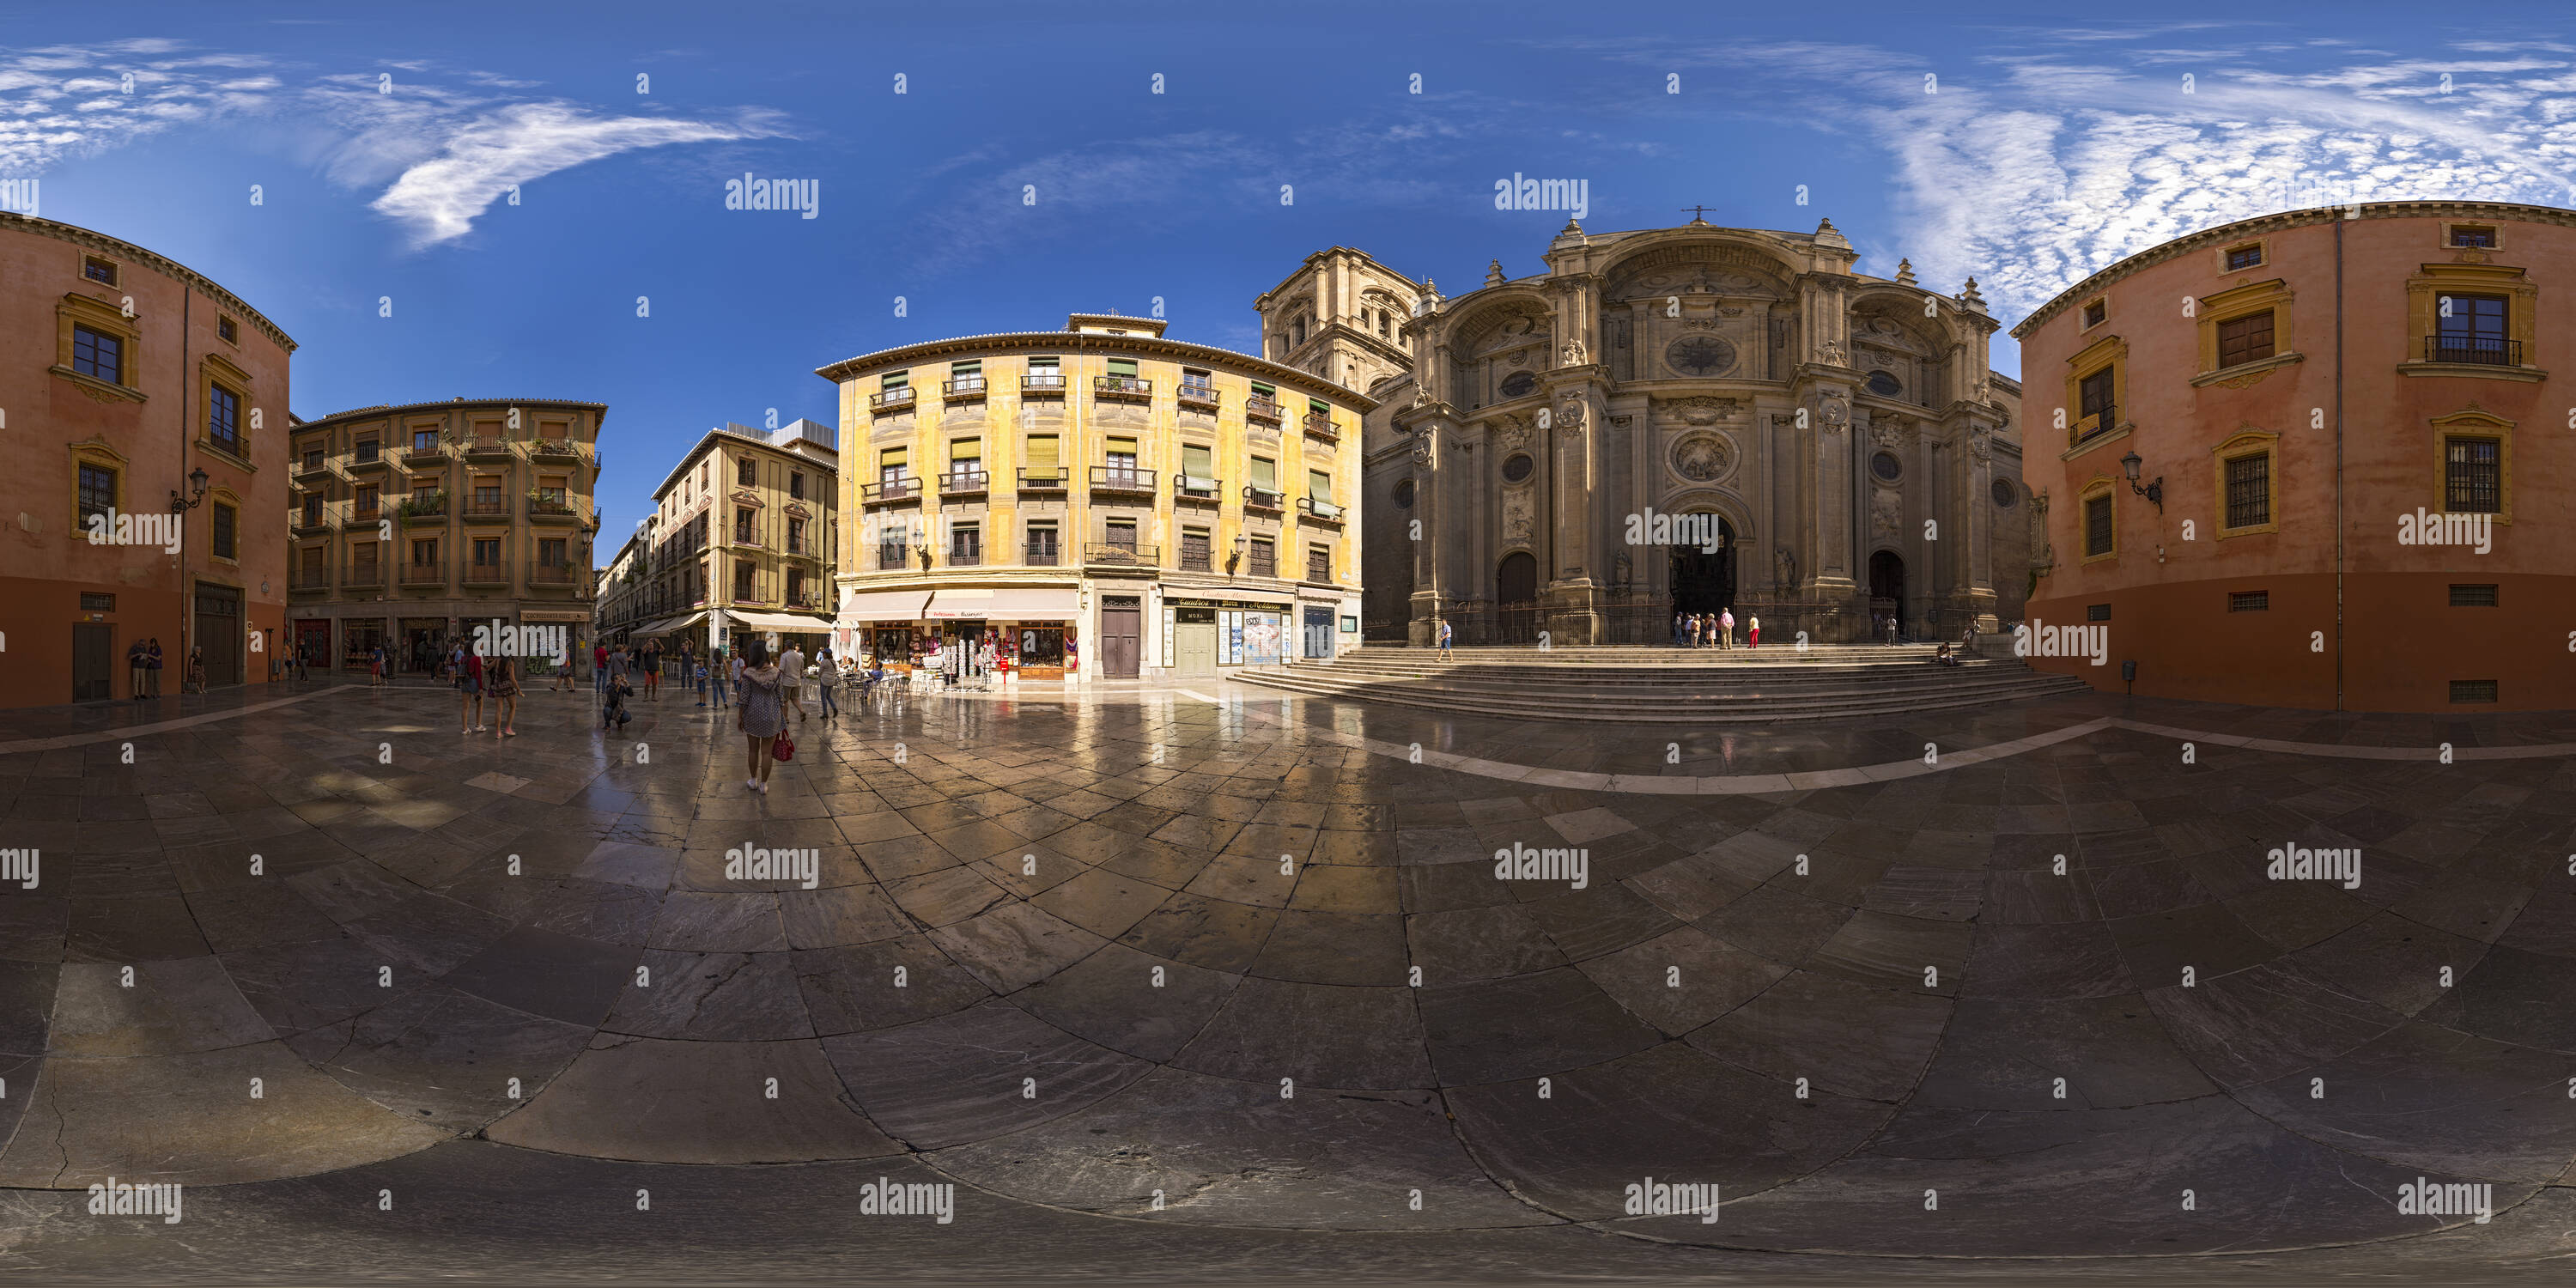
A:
(196, 681)
(1752, 632)
(571, 663)
(1694, 630)
(652, 670)
(1726, 629)
(761, 717)
(791, 680)
(1677, 630)
(828, 677)
(505, 695)
(1446, 635)
(466, 668)
(698, 677)
(376, 665)
(728, 679)
(599, 666)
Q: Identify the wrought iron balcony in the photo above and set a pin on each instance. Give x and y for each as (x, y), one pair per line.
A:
(554, 574)
(903, 487)
(964, 483)
(963, 390)
(2481, 350)
(487, 509)
(487, 574)
(1319, 426)
(1122, 478)
(1121, 554)
(1259, 408)
(1264, 498)
(363, 576)
(487, 449)
(424, 574)
(1127, 387)
(1195, 393)
(1053, 480)
(1040, 554)
(1042, 386)
(1203, 491)
(1320, 510)
(2098, 423)
(891, 400)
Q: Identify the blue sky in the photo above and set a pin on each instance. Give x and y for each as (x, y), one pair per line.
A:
(2004, 143)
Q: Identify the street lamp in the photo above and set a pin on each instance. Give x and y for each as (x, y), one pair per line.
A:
(197, 492)
(2153, 491)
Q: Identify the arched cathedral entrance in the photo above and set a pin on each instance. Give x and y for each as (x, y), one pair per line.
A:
(1704, 581)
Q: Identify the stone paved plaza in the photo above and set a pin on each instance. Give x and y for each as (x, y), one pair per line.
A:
(1067, 953)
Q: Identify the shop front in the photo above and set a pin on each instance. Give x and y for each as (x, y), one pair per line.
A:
(1026, 632)
(572, 622)
(359, 637)
(1204, 636)
(313, 641)
(424, 645)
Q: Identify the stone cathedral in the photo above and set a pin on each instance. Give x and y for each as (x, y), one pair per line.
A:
(1834, 444)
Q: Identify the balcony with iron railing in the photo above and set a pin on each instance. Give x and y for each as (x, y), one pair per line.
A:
(1122, 478)
(554, 449)
(553, 576)
(370, 458)
(2094, 425)
(889, 401)
(1258, 498)
(313, 469)
(424, 510)
(1319, 427)
(487, 509)
(1258, 408)
(1054, 480)
(2476, 350)
(748, 539)
(553, 509)
(314, 524)
(432, 575)
(967, 390)
(893, 558)
(1318, 510)
(904, 487)
(1121, 554)
(487, 449)
(1196, 394)
(308, 579)
(487, 574)
(964, 483)
(363, 576)
(429, 455)
(1128, 388)
(1042, 386)
(1039, 554)
(965, 556)
(1197, 491)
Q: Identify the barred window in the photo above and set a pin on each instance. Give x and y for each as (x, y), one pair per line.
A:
(2473, 596)
(2473, 690)
(2249, 601)
(223, 418)
(2249, 490)
(2097, 612)
(2473, 476)
(97, 491)
(224, 528)
(2097, 525)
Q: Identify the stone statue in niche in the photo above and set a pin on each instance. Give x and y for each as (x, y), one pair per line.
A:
(1884, 508)
(1574, 353)
(1702, 458)
(1784, 568)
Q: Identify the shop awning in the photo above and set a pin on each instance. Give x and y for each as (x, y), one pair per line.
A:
(793, 623)
(670, 624)
(883, 606)
(1004, 604)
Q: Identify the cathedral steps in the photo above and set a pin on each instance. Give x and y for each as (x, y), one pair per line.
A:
(1677, 687)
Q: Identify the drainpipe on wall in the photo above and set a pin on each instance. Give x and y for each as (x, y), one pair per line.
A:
(2338, 458)
(187, 597)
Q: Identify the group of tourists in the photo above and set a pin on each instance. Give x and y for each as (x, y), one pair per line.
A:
(143, 668)
(475, 679)
(1714, 630)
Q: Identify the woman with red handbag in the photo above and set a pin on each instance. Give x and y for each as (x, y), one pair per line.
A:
(762, 717)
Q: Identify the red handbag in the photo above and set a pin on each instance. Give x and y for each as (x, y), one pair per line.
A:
(783, 748)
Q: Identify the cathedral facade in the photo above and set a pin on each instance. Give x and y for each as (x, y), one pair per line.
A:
(1678, 420)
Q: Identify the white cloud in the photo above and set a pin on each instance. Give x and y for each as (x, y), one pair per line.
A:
(443, 153)
(439, 198)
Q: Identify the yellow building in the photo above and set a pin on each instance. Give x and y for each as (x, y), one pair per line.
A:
(1097, 503)
(740, 541)
(411, 525)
